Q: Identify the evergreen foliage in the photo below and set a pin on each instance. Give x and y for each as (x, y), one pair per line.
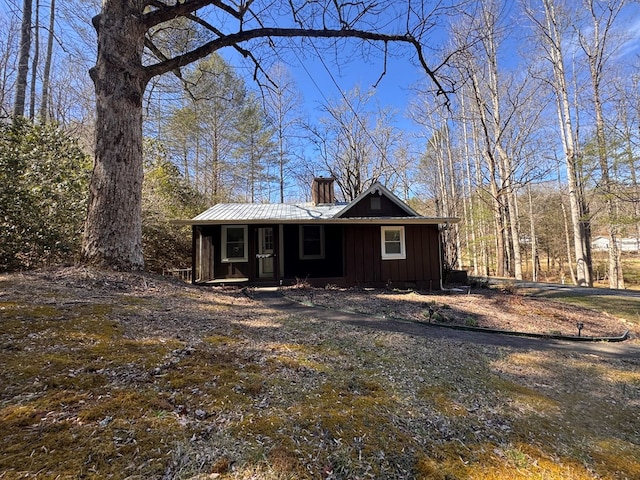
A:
(166, 195)
(44, 176)
(219, 135)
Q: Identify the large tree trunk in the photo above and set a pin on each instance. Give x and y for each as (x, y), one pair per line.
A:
(498, 219)
(514, 225)
(113, 229)
(534, 241)
(34, 62)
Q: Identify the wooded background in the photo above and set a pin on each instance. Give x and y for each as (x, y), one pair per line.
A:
(534, 147)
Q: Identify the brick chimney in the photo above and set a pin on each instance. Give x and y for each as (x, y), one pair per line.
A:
(322, 191)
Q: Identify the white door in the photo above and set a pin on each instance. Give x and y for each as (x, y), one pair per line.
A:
(265, 252)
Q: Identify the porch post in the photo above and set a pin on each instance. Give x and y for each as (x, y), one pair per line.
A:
(280, 250)
(193, 254)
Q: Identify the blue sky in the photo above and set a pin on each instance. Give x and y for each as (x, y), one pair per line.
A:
(393, 90)
(398, 85)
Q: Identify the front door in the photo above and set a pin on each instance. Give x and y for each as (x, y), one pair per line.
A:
(266, 250)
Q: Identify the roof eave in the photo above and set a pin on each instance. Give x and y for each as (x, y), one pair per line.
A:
(341, 221)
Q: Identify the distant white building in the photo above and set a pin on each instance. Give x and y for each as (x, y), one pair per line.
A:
(624, 244)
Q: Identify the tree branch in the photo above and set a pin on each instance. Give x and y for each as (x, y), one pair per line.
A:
(164, 13)
(245, 53)
(160, 56)
(234, 39)
(384, 70)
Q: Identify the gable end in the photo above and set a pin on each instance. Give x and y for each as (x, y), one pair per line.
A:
(377, 201)
(373, 205)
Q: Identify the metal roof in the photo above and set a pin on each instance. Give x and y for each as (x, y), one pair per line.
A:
(269, 211)
(275, 213)
(250, 213)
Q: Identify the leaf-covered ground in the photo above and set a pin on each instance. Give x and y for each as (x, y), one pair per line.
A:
(132, 376)
(499, 309)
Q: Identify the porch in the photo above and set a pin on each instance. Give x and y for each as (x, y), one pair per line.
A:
(267, 254)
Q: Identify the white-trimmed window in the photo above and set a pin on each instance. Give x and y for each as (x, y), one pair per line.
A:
(234, 243)
(311, 242)
(392, 239)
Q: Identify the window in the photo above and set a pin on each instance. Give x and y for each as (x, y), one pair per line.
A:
(376, 203)
(234, 243)
(311, 241)
(393, 243)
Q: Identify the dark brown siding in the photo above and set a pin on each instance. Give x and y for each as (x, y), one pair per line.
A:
(363, 208)
(212, 240)
(330, 266)
(352, 253)
(364, 264)
(203, 254)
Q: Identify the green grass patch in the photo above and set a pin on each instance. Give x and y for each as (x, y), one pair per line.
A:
(625, 307)
(630, 268)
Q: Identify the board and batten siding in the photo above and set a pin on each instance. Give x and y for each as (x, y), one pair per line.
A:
(202, 254)
(364, 264)
(207, 256)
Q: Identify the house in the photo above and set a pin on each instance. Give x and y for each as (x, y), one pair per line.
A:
(630, 244)
(375, 240)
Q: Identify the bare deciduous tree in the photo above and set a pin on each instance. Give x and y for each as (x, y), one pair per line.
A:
(23, 59)
(282, 102)
(8, 48)
(551, 28)
(355, 143)
(596, 48)
(46, 76)
(34, 61)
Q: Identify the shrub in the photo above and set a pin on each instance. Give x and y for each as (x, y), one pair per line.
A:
(470, 322)
(44, 176)
(166, 195)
